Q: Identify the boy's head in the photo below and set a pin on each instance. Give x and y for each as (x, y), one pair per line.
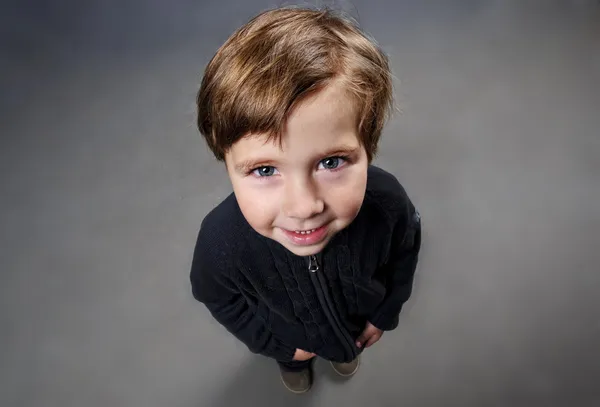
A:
(294, 103)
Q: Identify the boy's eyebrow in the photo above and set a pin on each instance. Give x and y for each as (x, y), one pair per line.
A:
(248, 165)
(341, 150)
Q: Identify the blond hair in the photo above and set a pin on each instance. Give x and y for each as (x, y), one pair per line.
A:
(278, 58)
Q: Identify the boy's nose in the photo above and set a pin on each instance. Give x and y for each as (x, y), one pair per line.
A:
(302, 201)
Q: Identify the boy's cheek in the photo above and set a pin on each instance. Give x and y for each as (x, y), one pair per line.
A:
(349, 190)
(257, 207)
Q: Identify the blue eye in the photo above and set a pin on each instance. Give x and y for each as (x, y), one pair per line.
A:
(331, 163)
(264, 171)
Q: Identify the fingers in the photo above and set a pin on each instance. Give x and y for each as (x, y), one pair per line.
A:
(372, 340)
(302, 355)
(308, 356)
(362, 339)
(365, 337)
(369, 336)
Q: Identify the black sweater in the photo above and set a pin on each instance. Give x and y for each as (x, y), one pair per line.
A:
(269, 299)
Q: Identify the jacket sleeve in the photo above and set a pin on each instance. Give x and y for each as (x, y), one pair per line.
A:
(212, 287)
(399, 272)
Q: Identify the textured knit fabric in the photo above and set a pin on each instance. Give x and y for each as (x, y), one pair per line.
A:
(263, 294)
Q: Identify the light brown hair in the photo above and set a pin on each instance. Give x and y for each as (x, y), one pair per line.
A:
(278, 58)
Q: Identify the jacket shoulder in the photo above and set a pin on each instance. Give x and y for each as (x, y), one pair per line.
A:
(384, 190)
(219, 238)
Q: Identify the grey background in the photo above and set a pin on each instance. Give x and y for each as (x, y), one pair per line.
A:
(104, 181)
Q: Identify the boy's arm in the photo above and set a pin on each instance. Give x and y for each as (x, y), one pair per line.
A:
(399, 272)
(229, 307)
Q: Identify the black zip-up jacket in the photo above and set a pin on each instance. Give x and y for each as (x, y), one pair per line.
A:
(275, 301)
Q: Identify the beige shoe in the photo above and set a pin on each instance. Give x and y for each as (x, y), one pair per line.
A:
(297, 382)
(346, 369)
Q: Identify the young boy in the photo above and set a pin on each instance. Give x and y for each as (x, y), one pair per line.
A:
(314, 253)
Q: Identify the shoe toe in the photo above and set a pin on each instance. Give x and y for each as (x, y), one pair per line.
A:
(346, 369)
(297, 382)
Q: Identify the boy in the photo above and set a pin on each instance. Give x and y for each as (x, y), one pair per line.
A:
(314, 252)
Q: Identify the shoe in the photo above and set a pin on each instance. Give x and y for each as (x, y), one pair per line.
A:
(346, 369)
(297, 382)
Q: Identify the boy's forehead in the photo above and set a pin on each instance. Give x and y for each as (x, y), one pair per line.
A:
(331, 110)
(287, 143)
(329, 105)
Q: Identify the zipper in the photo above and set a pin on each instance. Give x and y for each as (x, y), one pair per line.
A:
(313, 264)
(328, 306)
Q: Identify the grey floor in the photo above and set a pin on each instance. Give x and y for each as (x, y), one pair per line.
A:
(104, 181)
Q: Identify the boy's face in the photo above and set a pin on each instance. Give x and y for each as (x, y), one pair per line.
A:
(304, 190)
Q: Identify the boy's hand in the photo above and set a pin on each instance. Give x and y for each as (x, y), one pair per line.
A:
(369, 336)
(302, 355)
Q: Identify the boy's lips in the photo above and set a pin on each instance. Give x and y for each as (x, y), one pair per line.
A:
(306, 237)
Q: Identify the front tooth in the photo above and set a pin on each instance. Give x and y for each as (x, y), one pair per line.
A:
(304, 232)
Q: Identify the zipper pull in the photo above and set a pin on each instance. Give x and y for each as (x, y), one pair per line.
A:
(313, 264)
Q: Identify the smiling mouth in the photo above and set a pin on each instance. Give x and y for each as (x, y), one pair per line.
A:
(307, 237)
